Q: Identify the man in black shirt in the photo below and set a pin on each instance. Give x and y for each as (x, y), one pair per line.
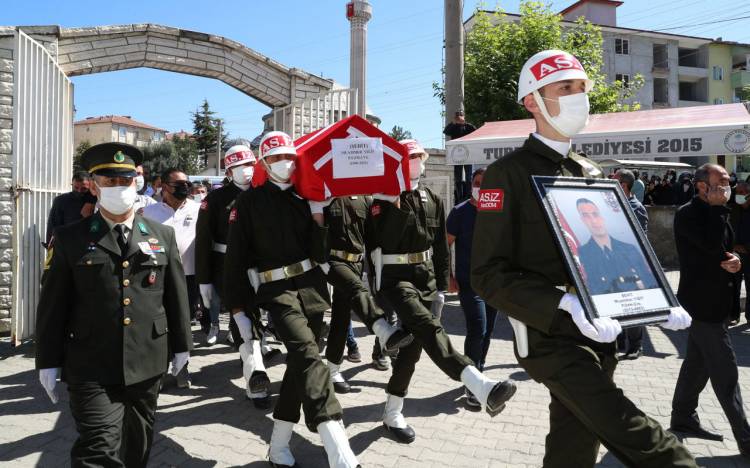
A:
(462, 180)
(67, 207)
(708, 266)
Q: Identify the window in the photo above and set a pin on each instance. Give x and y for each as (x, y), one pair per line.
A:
(718, 73)
(123, 134)
(623, 78)
(622, 46)
(719, 101)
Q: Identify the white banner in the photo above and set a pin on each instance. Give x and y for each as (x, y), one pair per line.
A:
(702, 141)
(357, 157)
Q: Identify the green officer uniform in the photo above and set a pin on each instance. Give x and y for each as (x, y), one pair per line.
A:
(108, 312)
(272, 231)
(417, 227)
(517, 268)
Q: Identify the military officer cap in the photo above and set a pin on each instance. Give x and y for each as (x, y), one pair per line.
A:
(112, 159)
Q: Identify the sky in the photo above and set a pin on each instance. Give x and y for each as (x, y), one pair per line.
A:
(405, 55)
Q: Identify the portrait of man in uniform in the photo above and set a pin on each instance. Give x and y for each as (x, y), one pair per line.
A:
(610, 265)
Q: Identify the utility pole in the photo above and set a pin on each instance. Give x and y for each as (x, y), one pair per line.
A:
(218, 147)
(454, 58)
(358, 12)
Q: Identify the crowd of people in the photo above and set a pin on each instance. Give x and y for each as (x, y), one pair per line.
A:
(131, 266)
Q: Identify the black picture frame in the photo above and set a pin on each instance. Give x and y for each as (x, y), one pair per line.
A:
(632, 299)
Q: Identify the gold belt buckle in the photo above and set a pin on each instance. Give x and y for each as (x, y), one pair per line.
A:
(294, 270)
(267, 276)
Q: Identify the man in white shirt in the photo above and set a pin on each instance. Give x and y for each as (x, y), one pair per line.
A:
(181, 213)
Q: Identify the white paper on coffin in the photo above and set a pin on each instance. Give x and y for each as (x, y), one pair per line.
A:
(357, 157)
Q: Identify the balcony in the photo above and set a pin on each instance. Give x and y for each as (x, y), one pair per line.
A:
(740, 78)
(691, 74)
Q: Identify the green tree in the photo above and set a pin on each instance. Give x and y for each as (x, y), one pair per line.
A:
(744, 93)
(82, 146)
(205, 131)
(398, 133)
(495, 54)
(159, 156)
(189, 160)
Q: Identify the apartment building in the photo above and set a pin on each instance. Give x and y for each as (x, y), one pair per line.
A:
(678, 70)
(116, 128)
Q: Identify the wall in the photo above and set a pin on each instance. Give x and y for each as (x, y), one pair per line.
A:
(6, 164)
(93, 133)
(720, 55)
(661, 235)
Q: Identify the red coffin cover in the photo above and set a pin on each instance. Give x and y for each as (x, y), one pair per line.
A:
(318, 183)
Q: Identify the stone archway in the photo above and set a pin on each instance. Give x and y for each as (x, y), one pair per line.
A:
(81, 51)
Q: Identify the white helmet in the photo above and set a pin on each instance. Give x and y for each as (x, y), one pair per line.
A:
(276, 143)
(237, 155)
(413, 147)
(550, 66)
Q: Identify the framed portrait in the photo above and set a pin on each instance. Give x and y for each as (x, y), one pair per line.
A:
(608, 256)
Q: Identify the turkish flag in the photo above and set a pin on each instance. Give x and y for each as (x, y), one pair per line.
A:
(385, 171)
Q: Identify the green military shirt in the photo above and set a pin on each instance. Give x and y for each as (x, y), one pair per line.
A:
(418, 225)
(345, 218)
(271, 228)
(106, 317)
(213, 227)
(516, 264)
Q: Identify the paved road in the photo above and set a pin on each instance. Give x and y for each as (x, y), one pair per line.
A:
(211, 424)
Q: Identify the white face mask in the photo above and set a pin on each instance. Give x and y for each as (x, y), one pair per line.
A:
(727, 191)
(242, 175)
(416, 168)
(199, 197)
(158, 191)
(117, 200)
(139, 183)
(739, 199)
(475, 193)
(574, 113)
(282, 170)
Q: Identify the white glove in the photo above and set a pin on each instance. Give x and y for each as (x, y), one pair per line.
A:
(316, 207)
(245, 326)
(437, 304)
(179, 361)
(384, 197)
(603, 330)
(677, 320)
(207, 292)
(48, 379)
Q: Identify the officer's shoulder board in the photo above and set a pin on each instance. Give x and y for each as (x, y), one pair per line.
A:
(589, 167)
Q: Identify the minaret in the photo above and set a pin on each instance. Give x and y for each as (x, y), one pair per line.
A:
(359, 12)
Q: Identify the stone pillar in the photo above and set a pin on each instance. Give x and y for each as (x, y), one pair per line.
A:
(359, 13)
(454, 59)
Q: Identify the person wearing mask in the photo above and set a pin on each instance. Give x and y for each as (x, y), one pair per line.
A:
(684, 190)
(480, 317)
(198, 192)
(69, 207)
(705, 243)
(740, 219)
(142, 200)
(113, 302)
(639, 188)
(461, 173)
(410, 255)
(181, 214)
(140, 183)
(517, 268)
(212, 234)
(631, 339)
(156, 186)
(649, 198)
(345, 218)
(276, 254)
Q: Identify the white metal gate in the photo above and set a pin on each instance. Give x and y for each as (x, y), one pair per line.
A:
(42, 168)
